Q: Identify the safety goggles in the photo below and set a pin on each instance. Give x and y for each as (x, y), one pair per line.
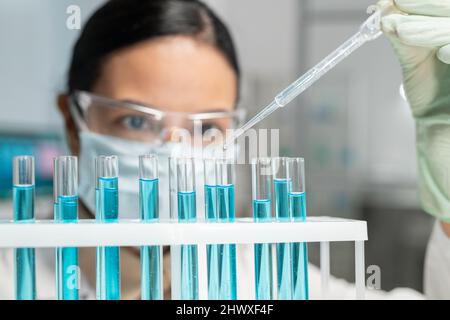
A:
(133, 121)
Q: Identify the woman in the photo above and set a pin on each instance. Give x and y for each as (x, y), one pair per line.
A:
(139, 71)
(175, 56)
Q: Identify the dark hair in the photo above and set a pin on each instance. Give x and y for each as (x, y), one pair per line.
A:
(122, 23)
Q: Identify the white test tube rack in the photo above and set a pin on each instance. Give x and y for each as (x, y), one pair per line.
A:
(89, 233)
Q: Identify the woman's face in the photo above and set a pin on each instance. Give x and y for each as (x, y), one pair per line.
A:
(174, 74)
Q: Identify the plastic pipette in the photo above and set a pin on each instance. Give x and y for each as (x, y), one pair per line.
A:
(369, 30)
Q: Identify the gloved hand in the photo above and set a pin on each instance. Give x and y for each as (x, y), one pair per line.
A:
(419, 31)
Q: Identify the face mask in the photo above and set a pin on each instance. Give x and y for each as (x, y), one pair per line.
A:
(93, 145)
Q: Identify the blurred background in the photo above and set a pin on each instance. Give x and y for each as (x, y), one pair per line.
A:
(353, 128)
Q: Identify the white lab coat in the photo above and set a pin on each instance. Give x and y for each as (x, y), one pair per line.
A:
(437, 265)
(338, 289)
(437, 284)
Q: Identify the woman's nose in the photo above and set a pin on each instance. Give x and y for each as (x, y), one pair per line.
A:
(176, 134)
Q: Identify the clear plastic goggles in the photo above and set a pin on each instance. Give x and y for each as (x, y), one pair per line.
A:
(129, 120)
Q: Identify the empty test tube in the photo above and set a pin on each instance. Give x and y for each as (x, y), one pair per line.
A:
(299, 251)
(222, 257)
(107, 203)
(23, 201)
(151, 256)
(261, 193)
(65, 191)
(282, 186)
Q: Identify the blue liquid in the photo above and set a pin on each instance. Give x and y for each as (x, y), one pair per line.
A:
(151, 273)
(212, 250)
(299, 250)
(282, 188)
(189, 255)
(108, 258)
(263, 255)
(25, 270)
(187, 210)
(67, 271)
(226, 252)
(211, 203)
(219, 205)
(149, 194)
(284, 270)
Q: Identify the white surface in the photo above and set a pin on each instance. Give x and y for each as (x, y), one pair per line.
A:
(89, 233)
(35, 52)
(268, 46)
(339, 6)
(437, 260)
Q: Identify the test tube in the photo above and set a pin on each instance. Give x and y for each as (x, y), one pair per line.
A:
(299, 251)
(184, 168)
(211, 216)
(151, 256)
(282, 186)
(23, 201)
(65, 191)
(107, 201)
(225, 211)
(261, 191)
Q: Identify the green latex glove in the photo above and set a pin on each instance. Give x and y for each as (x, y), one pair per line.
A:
(419, 31)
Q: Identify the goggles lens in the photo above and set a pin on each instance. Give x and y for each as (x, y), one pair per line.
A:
(144, 123)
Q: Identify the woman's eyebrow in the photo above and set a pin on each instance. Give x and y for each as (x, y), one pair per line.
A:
(216, 110)
(140, 103)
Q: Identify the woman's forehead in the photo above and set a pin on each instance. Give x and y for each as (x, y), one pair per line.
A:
(176, 73)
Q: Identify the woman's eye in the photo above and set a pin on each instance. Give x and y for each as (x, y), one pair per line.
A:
(135, 123)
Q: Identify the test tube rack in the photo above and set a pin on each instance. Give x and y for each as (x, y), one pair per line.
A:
(90, 233)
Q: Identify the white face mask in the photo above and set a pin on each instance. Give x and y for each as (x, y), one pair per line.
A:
(93, 145)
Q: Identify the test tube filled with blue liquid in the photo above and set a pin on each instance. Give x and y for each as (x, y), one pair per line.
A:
(184, 169)
(107, 204)
(220, 208)
(299, 251)
(282, 187)
(151, 256)
(65, 190)
(261, 193)
(23, 202)
(211, 216)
